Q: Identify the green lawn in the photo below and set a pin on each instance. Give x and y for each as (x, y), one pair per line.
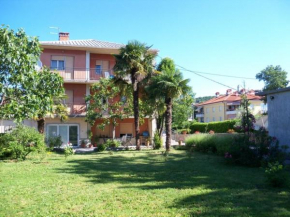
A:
(137, 184)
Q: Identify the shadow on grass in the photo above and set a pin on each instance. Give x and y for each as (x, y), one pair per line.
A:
(217, 189)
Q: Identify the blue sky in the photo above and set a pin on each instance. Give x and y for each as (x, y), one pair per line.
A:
(231, 37)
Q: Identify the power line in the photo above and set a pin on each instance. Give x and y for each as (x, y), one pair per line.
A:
(222, 75)
(205, 77)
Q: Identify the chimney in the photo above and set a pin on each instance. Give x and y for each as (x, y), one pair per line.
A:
(229, 91)
(63, 36)
(242, 91)
(217, 94)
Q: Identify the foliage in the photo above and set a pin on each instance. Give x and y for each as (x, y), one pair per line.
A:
(133, 64)
(256, 149)
(68, 151)
(106, 104)
(54, 141)
(182, 109)
(203, 99)
(102, 147)
(167, 86)
(276, 175)
(112, 143)
(157, 141)
(210, 143)
(26, 92)
(274, 78)
(20, 142)
(218, 127)
(246, 119)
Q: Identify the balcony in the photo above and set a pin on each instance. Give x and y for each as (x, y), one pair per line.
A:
(82, 74)
(77, 109)
(231, 111)
(200, 115)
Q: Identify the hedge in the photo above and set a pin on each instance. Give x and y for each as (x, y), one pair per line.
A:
(217, 127)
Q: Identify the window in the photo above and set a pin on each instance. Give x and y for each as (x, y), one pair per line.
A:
(213, 109)
(206, 110)
(207, 119)
(201, 119)
(213, 119)
(57, 64)
(68, 132)
(102, 66)
(98, 69)
(221, 118)
(220, 108)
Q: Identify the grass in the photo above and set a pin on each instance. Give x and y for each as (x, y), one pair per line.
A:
(137, 184)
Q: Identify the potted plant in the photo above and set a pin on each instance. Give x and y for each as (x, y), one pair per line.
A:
(83, 143)
(184, 131)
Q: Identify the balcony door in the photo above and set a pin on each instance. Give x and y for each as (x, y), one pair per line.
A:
(68, 132)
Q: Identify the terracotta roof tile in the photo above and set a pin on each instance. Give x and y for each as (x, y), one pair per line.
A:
(228, 98)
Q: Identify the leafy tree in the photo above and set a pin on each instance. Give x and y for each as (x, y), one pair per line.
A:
(106, 104)
(25, 92)
(182, 110)
(168, 86)
(203, 99)
(273, 77)
(133, 63)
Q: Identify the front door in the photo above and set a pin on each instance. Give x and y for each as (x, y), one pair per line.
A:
(68, 132)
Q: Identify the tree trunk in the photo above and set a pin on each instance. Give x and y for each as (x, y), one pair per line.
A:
(135, 85)
(168, 120)
(159, 123)
(40, 125)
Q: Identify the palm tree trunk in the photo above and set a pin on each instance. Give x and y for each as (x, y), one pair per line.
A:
(40, 125)
(135, 85)
(168, 120)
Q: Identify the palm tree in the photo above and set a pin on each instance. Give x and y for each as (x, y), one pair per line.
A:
(167, 86)
(133, 63)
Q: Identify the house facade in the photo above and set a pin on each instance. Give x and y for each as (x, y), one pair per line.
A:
(81, 63)
(225, 107)
(279, 114)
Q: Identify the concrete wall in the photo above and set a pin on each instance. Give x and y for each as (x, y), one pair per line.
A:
(8, 124)
(279, 116)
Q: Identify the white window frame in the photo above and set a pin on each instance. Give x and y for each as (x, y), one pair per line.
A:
(57, 125)
(57, 64)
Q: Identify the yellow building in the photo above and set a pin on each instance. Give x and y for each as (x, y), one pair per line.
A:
(225, 107)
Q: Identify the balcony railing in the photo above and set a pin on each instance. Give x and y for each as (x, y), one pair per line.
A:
(200, 115)
(83, 74)
(76, 108)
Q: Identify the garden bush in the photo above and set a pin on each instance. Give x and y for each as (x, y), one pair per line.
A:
(276, 175)
(102, 147)
(20, 142)
(54, 141)
(112, 143)
(217, 127)
(157, 141)
(210, 142)
(256, 149)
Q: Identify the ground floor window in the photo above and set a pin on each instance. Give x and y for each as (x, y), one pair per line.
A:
(69, 132)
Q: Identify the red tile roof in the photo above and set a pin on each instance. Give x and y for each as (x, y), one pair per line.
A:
(229, 98)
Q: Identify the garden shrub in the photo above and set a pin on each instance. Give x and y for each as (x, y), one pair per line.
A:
(54, 141)
(102, 147)
(68, 151)
(112, 143)
(20, 142)
(210, 142)
(217, 127)
(157, 141)
(276, 175)
(256, 149)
